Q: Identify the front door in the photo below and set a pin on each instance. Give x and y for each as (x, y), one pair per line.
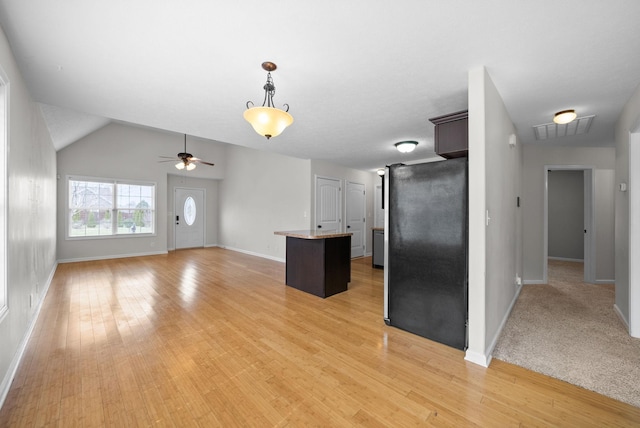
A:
(328, 204)
(355, 217)
(189, 217)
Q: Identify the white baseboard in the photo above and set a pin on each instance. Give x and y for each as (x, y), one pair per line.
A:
(251, 253)
(605, 281)
(489, 351)
(17, 358)
(477, 358)
(618, 312)
(113, 256)
(533, 281)
(566, 259)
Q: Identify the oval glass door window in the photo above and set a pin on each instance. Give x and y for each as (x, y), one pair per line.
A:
(189, 211)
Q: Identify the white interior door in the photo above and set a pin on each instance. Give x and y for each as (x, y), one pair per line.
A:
(328, 204)
(190, 216)
(356, 217)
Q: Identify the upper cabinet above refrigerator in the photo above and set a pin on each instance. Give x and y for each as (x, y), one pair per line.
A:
(451, 137)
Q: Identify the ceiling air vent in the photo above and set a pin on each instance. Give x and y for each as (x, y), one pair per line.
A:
(548, 131)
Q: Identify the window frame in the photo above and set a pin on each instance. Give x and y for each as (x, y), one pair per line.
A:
(114, 207)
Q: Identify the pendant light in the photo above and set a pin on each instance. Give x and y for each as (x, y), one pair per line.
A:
(268, 120)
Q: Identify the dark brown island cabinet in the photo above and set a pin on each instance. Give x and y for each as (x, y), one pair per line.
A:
(318, 262)
(451, 135)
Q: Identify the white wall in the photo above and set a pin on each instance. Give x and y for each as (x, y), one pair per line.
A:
(535, 159)
(129, 152)
(629, 121)
(262, 193)
(369, 179)
(31, 205)
(495, 256)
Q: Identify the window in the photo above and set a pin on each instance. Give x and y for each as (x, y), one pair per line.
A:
(102, 207)
(189, 211)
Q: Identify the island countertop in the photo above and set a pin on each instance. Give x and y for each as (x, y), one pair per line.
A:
(312, 234)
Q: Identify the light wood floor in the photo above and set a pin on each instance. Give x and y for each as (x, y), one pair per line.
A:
(210, 337)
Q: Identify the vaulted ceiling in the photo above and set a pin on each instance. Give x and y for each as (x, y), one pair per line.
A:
(358, 75)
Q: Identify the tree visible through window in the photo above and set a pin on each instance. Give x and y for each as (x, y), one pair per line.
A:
(99, 207)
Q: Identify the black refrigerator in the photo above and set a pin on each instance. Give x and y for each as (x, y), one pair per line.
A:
(426, 221)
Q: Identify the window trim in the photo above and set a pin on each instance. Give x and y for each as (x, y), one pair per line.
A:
(115, 182)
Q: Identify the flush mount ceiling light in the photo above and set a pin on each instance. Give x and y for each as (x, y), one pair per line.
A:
(406, 146)
(381, 172)
(268, 120)
(564, 116)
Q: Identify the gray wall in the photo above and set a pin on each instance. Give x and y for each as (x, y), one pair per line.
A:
(31, 221)
(121, 151)
(533, 179)
(262, 193)
(566, 214)
(495, 249)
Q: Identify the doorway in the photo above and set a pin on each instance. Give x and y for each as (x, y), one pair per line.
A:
(587, 224)
(189, 218)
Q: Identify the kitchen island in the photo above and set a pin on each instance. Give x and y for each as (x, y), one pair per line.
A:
(318, 262)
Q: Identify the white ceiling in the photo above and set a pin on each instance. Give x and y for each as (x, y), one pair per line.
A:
(359, 75)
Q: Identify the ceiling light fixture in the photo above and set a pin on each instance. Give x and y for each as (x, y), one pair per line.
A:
(381, 172)
(564, 116)
(190, 166)
(268, 120)
(406, 146)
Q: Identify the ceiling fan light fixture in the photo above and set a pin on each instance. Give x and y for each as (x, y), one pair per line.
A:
(564, 116)
(186, 160)
(268, 120)
(406, 146)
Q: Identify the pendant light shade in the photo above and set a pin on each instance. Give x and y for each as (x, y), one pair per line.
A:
(267, 120)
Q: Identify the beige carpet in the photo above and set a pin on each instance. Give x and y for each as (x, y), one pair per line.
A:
(568, 329)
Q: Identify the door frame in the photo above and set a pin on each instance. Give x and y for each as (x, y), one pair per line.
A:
(634, 231)
(204, 214)
(589, 218)
(364, 211)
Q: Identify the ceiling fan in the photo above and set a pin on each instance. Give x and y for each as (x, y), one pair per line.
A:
(185, 160)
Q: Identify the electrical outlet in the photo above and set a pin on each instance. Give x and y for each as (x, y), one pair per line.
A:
(518, 281)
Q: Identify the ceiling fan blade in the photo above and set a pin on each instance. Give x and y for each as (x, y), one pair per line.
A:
(169, 160)
(201, 161)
